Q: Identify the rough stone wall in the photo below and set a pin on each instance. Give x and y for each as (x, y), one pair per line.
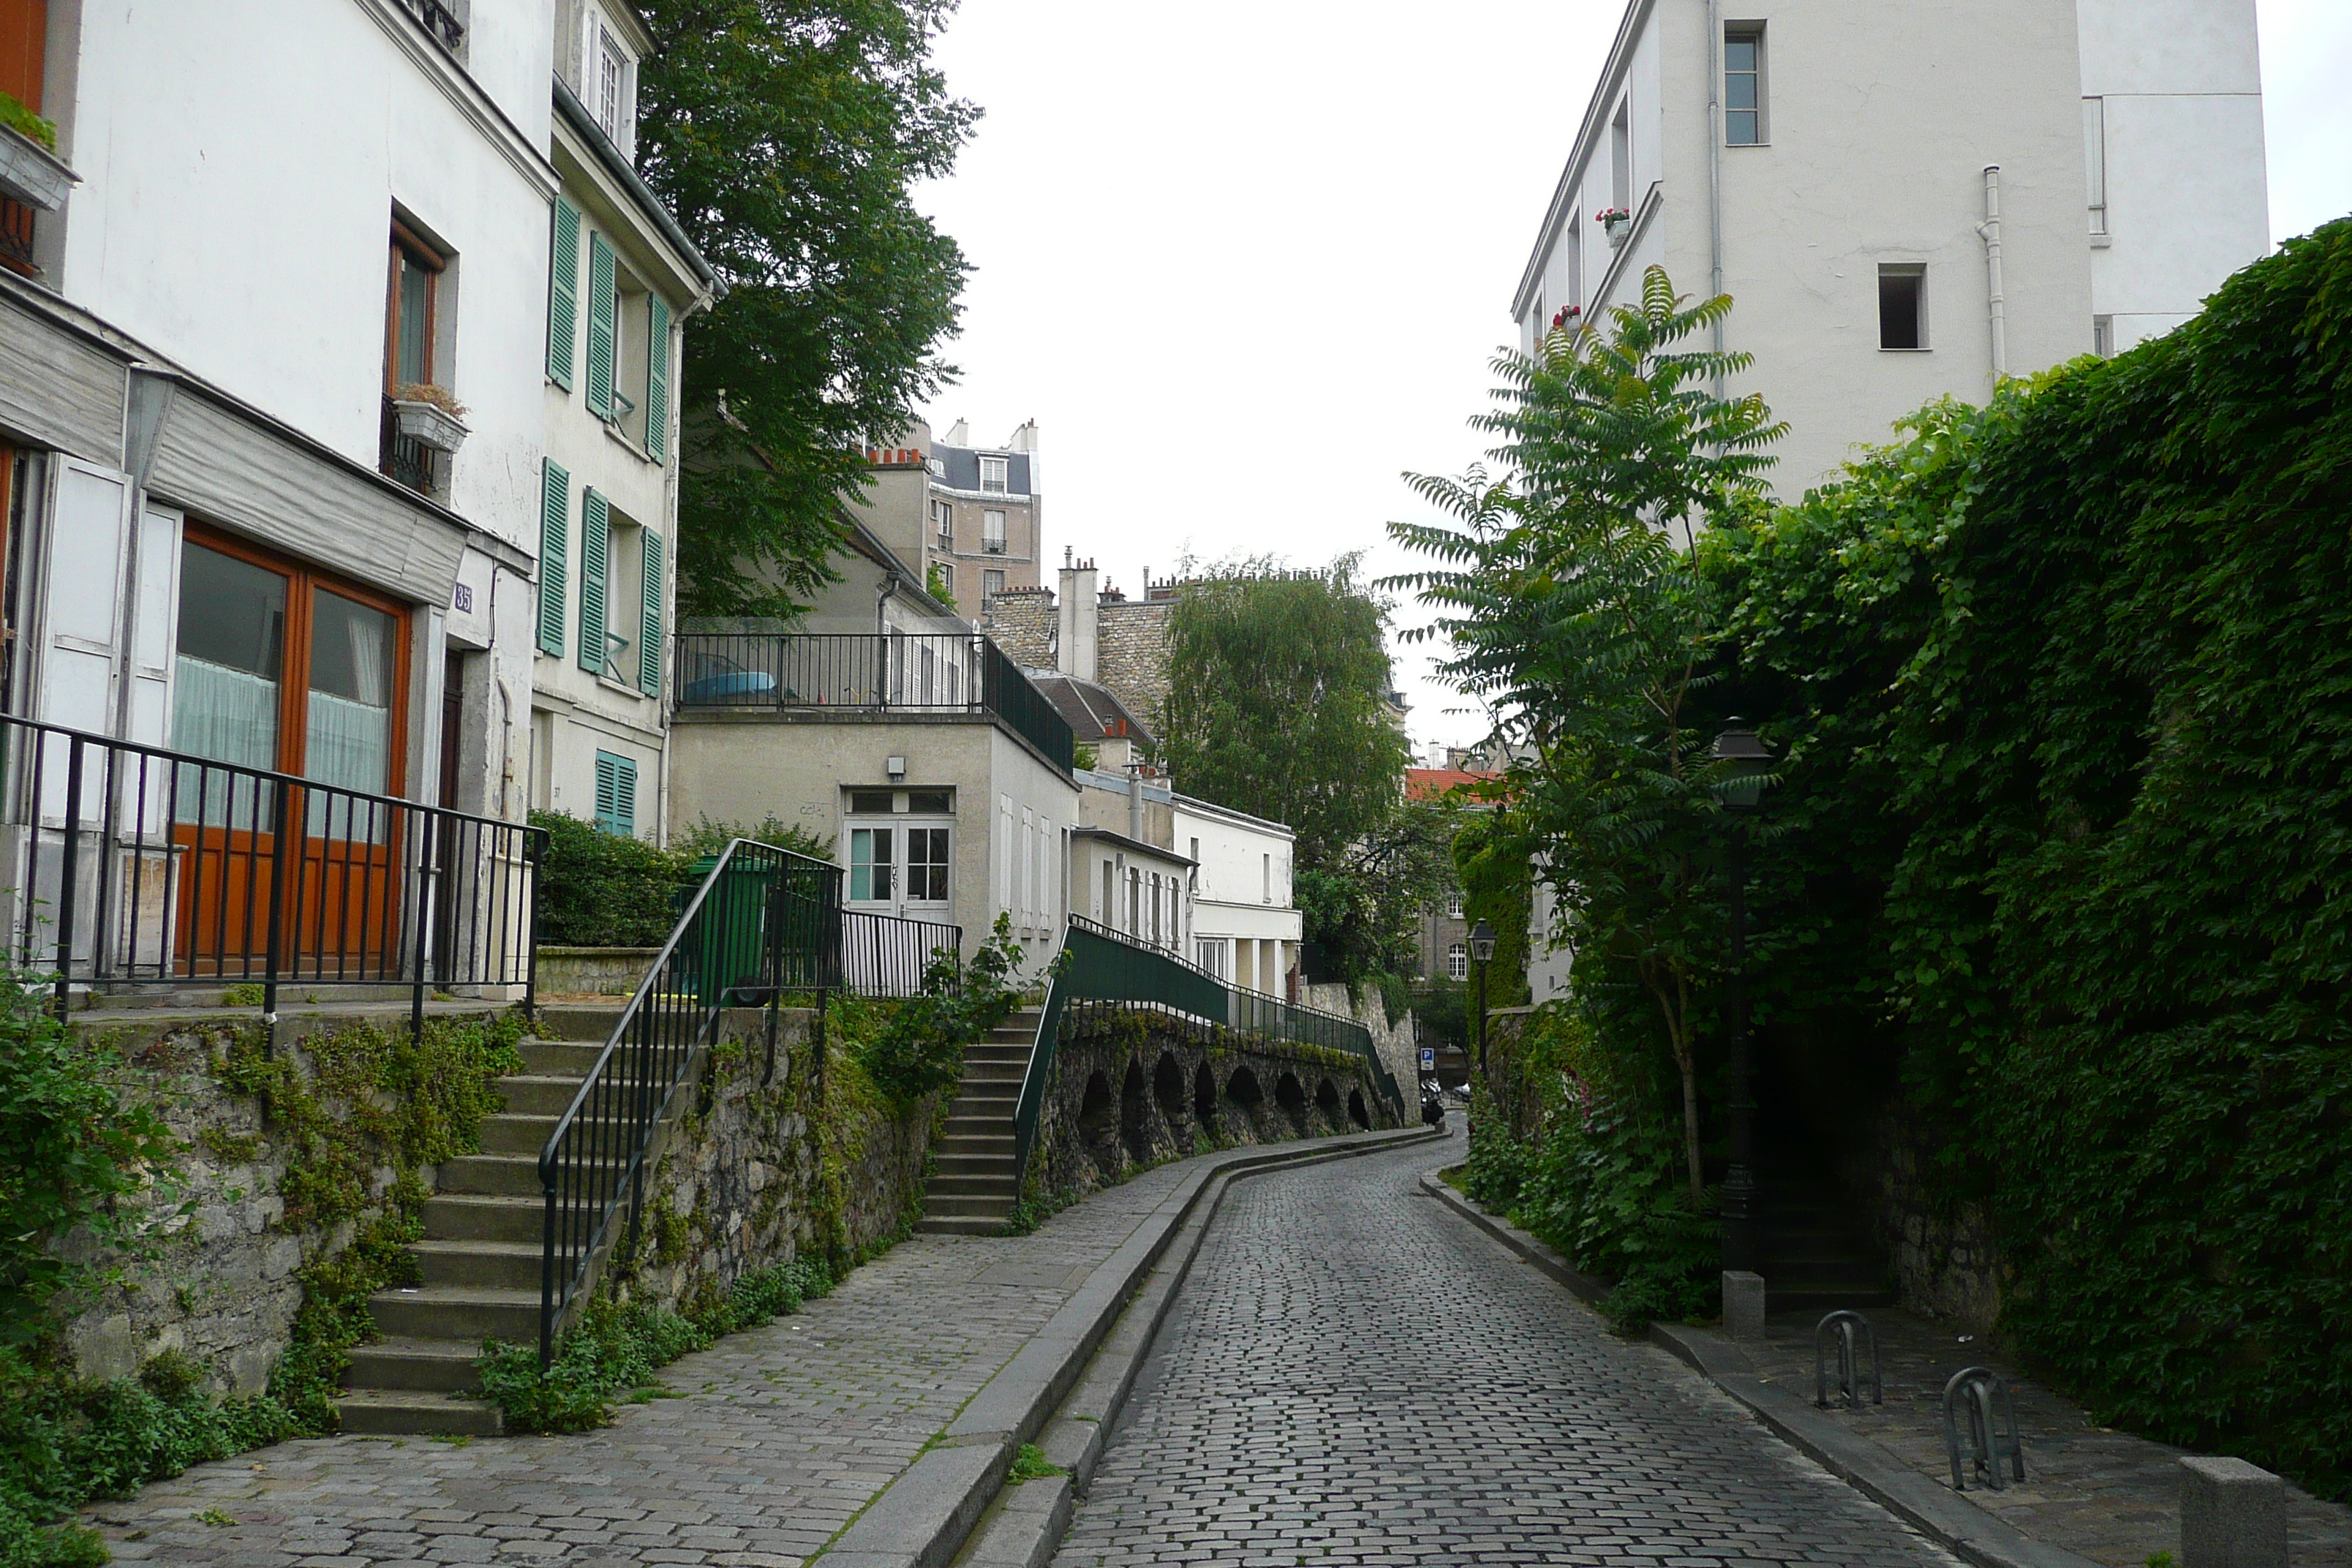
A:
(1023, 621)
(1946, 1261)
(1394, 1042)
(222, 1291)
(1131, 655)
(740, 1181)
(592, 971)
(1130, 1086)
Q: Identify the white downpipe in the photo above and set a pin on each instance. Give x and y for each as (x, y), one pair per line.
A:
(1715, 165)
(1996, 297)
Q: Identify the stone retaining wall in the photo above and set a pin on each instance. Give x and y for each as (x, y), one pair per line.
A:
(1134, 1086)
(593, 971)
(1946, 1260)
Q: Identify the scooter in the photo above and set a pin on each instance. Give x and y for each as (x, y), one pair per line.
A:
(1432, 1105)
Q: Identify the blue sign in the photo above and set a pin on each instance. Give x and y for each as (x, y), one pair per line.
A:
(1428, 1057)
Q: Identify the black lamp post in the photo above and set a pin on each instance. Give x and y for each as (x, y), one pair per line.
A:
(1482, 948)
(1745, 757)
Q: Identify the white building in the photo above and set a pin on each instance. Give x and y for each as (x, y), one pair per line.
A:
(623, 279)
(1905, 201)
(1244, 926)
(272, 324)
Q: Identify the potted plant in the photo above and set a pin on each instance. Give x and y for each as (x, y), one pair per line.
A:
(1566, 316)
(1615, 222)
(29, 170)
(429, 415)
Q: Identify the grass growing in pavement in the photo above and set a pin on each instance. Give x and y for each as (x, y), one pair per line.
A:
(1030, 1465)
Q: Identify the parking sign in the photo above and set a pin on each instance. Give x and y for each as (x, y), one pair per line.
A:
(1428, 1056)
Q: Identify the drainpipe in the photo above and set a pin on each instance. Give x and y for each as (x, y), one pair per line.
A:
(1135, 801)
(1997, 299)
(1715, 165)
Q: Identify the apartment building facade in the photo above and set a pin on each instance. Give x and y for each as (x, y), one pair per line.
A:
(970, 515)
(622, 282)
(1909, 202)
(270, 430)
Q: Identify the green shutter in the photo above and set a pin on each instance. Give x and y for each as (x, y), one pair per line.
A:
(657, 376)
(596, 523)
(649, 631)
(563, 293)
(616, 795)
(600, 326)
(555, 554)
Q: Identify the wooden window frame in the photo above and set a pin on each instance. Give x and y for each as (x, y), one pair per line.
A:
(405, 242)
(302, 582)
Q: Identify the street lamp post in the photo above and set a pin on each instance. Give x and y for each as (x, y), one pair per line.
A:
(1742, 1195)
(1482, 948)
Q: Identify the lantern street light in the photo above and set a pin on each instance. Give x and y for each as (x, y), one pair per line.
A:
(1745, 758)
(1482, 948)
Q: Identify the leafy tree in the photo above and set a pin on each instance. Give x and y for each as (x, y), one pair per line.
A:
(786, 135)
(1277, 705)
(1573, 597)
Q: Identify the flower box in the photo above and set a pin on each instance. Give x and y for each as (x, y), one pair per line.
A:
(428, 425)
(30, 173)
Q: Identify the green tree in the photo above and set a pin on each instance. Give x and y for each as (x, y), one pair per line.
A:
(786, 136)
(1278, 705)
(1573, 599)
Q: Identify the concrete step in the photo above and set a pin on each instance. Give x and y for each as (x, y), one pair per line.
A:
(1006, 1187)
(501, 1175)
(993, 1073)
(576, 1022)
(415, 1366)
(495, 1265)
(1809, 1297)
(995, 1206)
(539, 1094)
(986, 1098)
(973, 1164)
(960, 1224)
(468, 1314)
(559, 1058)
(382, 1412)
(468, 1216)
(513, 1134)
(958, 1140)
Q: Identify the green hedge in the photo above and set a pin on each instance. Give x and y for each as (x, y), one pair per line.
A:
(2064, 689)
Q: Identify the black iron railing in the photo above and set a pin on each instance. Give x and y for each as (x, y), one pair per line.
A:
(1106, 966)
(915, 672)
(439, 21)
(762, 923)
(134, 865)
(403, 458)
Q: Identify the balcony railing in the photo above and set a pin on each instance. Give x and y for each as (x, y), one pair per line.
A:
(913, 673)
(128, 866)
(403, 459)
(439, 21)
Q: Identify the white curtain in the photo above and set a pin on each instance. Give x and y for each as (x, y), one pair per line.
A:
(229, 716)
(348, 740)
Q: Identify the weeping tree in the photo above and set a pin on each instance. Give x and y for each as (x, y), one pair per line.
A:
(1278, 705)
(1568, 592)
(787, 135)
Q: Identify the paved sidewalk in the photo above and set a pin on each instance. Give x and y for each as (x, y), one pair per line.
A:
(778, 1437)
(2110, 1496)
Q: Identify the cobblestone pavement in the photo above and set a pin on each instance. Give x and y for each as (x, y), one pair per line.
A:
(778, 1436)
(2110, 1496)
(1353, 1375)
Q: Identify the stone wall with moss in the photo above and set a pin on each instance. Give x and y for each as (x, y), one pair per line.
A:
(1132, 1087)
(748, 1173)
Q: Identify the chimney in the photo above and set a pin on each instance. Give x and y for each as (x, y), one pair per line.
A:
(959, 435)
(1080, 618)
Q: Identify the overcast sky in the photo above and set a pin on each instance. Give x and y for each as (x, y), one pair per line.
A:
(1243, 263)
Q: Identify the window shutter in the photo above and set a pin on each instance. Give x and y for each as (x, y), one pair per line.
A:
(649, 634)
(616, 795)
(595, 521)
(600, 326)
(563, 293)
(554, 555)
(657, 378)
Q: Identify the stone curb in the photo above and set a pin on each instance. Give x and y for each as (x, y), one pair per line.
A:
(922, 1517)
(1934, 1510)
(1580, 1285)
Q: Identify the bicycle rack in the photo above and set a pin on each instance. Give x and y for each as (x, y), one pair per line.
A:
(1851, 1334)
(1988, 1397)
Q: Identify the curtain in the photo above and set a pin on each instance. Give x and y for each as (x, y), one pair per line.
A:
(229, 716)
(348, 740)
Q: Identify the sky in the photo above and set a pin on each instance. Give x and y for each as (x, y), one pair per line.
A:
(1247, 263)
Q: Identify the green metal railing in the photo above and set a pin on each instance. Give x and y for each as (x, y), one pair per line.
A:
(1104, 966)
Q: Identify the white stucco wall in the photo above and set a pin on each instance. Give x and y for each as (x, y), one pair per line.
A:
(241, 163)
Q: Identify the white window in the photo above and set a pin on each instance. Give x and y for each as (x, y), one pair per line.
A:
(2095, 160)
(1902, 306)
(1209, 952)
(1028, 901)
(943, 519)
(1265, 878)
(1453, 903)
(872, 860)
(1620, 157)
(1005, 850)
(1458, 961)
(992, 531)
(991, 584)
(1743, 87)
(995, 474)
(2103, 336)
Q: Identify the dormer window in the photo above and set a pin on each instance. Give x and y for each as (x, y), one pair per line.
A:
(608, 79)
(612, 74)
(994, 474)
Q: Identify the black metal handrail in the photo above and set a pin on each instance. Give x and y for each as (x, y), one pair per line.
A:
(762, 923)
(133, 864)
(912, 672)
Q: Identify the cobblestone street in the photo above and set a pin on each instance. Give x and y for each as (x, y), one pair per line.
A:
(1353, 1375)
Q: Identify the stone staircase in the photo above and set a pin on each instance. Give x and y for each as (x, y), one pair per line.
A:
(481, 1253)
(974, 1183)
(1817, 1255)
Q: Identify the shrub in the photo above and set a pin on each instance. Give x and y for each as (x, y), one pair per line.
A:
(603, 890)
(919, 1049)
